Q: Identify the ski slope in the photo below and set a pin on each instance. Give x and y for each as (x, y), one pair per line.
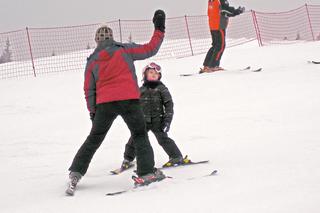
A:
(260, 130)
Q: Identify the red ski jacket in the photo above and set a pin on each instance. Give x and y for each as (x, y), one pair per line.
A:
(110, 73)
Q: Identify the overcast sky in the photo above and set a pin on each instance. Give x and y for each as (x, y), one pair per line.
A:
(17, 14)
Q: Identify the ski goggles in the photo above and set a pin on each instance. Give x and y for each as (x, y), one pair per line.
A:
(152, 66)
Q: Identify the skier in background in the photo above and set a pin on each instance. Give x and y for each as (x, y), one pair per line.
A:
(219, 12)
(111, 89)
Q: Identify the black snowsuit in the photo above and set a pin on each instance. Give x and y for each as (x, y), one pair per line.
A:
(218, 34)
(157, 105)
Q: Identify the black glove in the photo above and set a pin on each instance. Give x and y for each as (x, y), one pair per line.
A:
(165, 127)
(240, 10)
(159, 20)
(92, 114)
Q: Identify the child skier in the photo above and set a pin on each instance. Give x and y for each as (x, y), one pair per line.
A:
(157, 105)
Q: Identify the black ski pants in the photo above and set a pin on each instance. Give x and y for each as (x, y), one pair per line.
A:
(215, 53)
(168, 145)
(106, 113)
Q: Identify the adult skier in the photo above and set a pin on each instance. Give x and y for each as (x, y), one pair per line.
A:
(111, 89)
(219, 12)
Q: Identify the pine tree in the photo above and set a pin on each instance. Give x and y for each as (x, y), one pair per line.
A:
(6, 55)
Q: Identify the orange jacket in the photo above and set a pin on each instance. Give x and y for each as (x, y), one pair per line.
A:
(214, 14)
(218, 13)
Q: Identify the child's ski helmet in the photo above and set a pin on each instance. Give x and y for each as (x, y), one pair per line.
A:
(154, 66)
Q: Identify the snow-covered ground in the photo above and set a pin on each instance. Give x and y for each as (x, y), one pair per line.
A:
(260, 130)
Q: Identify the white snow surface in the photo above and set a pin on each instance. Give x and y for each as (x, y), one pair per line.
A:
(260, 130)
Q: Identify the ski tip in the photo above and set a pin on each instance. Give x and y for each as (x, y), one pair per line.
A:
(314, 62)
(257, 70)
(185, 75)
(197, 162)
(115, 193)
(214, 172)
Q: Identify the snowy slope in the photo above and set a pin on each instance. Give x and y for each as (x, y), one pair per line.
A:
(260, 130)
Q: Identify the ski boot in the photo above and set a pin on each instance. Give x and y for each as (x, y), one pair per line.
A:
(74, 179)
(218, 69)
(210, 69)
(215, 69)
(204, 70)
(144, 180)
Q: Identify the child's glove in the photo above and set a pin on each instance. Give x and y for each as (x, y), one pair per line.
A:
(165, 127)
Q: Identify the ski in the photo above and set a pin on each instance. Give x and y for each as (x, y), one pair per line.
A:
(189, 163)
(230, 70)
(256, 70)
(202, 74)
(132, 189)
(314, 62)
(120, 170)
(214, 172)
(135, 188)
(185, 164)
